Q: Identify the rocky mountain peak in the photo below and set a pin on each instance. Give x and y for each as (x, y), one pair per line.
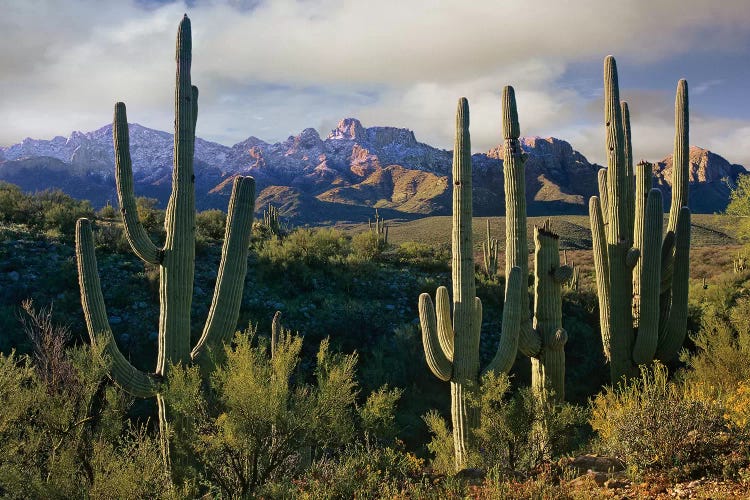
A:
(348, 129)
(705, 166)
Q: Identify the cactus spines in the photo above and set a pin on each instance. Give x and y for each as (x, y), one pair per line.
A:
(642, 288)
(489, 253)
(176, 259)
(452, 346)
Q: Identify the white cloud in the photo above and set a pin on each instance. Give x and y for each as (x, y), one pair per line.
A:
(272, 68)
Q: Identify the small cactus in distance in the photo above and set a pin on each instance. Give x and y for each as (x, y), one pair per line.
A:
(379, 228)
(272, 221)
(489, 253)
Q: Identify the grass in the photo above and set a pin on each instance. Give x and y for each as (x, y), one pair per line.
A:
(707, 230)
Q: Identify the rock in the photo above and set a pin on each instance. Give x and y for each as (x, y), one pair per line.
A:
(472, 475)
(14, 276)
(115, 320)
(616, 483)
(595, 463)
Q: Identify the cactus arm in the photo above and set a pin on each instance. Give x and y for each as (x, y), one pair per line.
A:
(230, 281)
(132, 380)
(444, 323)
(681, 156)
(601, 268)
(177, 269)
(647, 338)
(618, 240)
(548, 370)
(643, 182)
(507, 349)
(677, 324)
(629, 175)
(437, 361)
(601, 178)
(516, 245)
(135, 233)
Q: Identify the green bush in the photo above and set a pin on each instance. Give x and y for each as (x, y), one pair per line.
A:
(517, 432)
(367, 245)
(263, 420)
(210, 224)
(311, 247)
(62, 428)
(106, 212)
(653, 424)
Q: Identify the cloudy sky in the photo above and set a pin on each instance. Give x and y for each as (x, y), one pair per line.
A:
(270, 68)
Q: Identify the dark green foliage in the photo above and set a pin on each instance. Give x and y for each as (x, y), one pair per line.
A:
(368, 245)
(210, 224)
(517, 432)
(260, 419)
(62, 432)
(50, 210)
(150, 216)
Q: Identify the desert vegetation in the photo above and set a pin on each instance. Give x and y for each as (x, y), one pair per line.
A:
(306, 374)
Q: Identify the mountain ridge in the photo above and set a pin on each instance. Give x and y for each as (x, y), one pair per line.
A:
(351, 171)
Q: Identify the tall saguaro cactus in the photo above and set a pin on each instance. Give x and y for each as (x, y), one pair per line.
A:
(452, 345)
(642, 280)
(176, 259)
(541, 338)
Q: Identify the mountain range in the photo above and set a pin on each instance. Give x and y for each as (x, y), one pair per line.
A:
(342, 177)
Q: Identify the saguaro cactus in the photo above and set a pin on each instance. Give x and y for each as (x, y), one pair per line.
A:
(176, 260)
(379, 228)
(452, 346)
(542, 339)
(489, 253)
(642, 280)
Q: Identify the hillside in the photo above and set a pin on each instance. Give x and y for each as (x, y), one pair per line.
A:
(341, 177)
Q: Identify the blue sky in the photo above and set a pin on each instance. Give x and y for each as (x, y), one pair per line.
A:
(273, 68)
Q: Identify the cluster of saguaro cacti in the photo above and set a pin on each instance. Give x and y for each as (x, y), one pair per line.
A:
(271, 220)
(489, 253)
(176, 259)
(642, 280)
(451, 346)
(542, 337)
(379, 227)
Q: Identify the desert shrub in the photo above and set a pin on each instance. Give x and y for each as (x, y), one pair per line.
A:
(521, 431)
(111, 237)
(364, 471)
(12, 199)
(260, 420)
(441, 444)
(106, 212)
(722, 346)
(367, 245)
(426, 257)
(210, 224)
(517, 432)
(62, 428)
(151, 217)
(651, 423)
(310, 247)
